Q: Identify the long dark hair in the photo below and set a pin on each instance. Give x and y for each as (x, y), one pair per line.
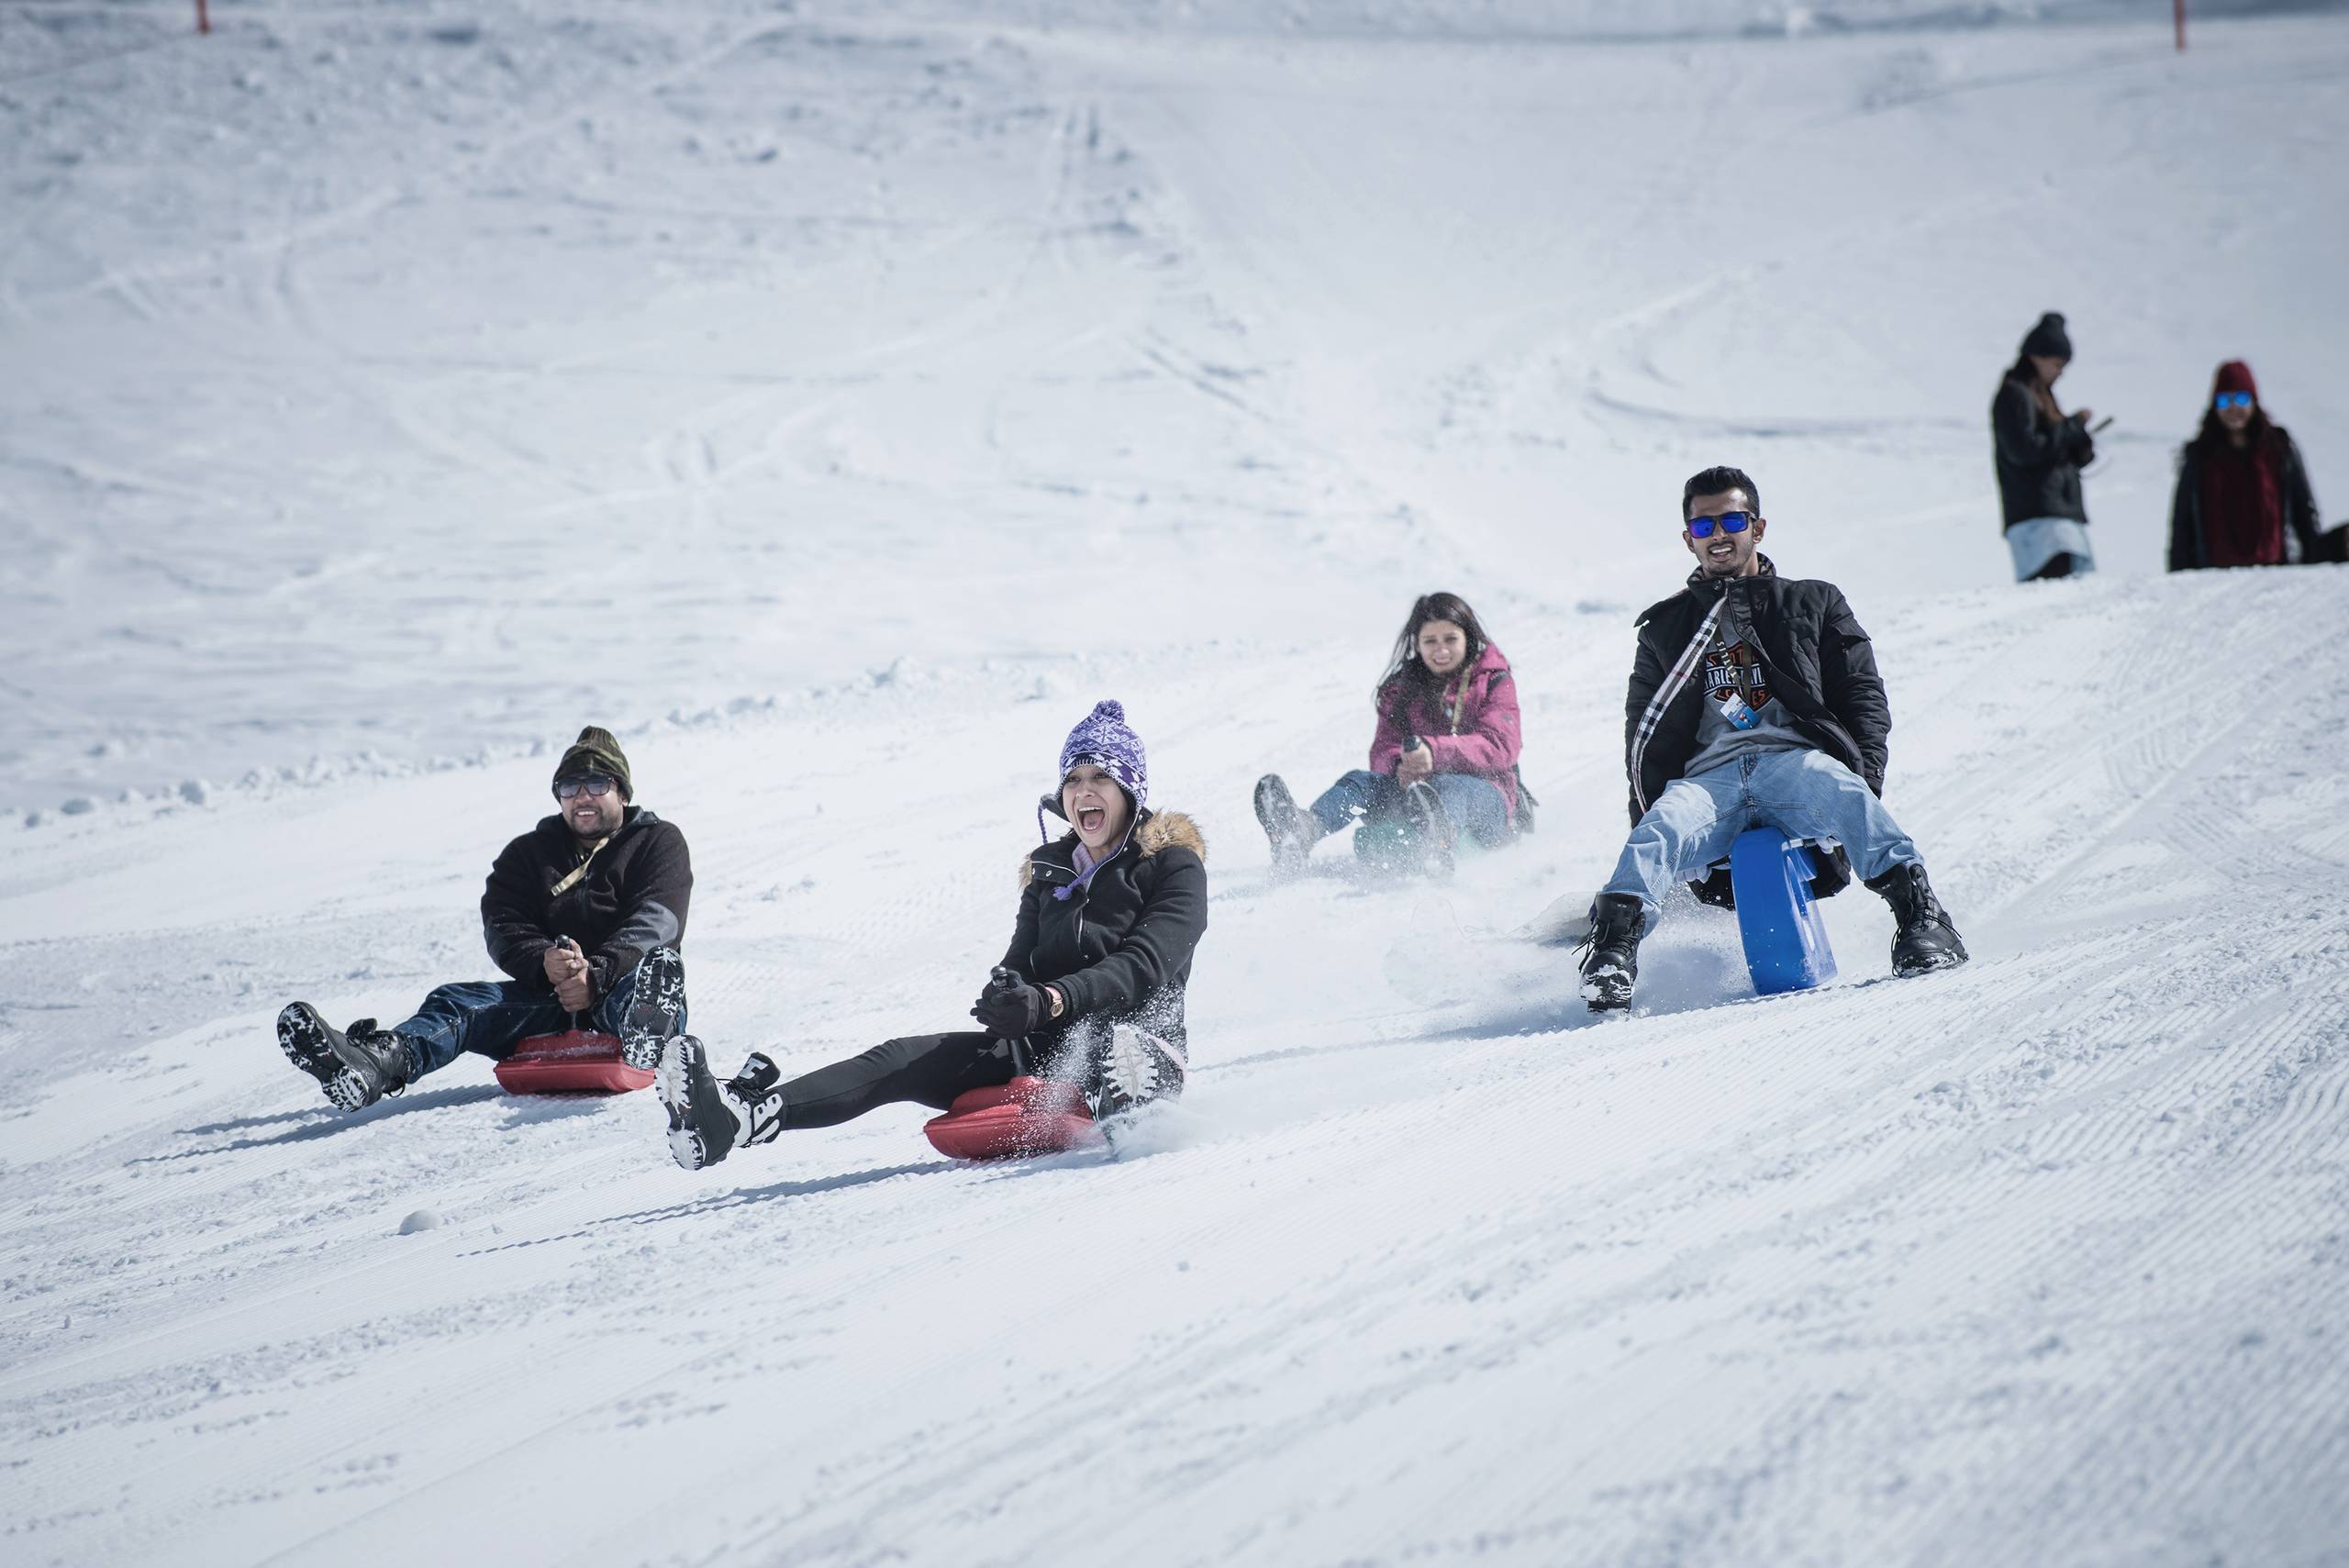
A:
(2213, 438)
(1407, 674)
(2041, 397)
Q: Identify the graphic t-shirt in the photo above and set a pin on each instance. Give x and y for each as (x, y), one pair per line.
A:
(1740, 715)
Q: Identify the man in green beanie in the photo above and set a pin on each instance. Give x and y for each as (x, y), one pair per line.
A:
(584, 912)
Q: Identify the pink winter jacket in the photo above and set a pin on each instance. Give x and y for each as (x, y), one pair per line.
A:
(1471, 731)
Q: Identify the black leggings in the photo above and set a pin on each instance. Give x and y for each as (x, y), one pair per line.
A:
(928, 1069)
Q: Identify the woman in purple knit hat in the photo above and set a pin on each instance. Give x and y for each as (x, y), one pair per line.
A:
(1090, 989)
(1443, 757)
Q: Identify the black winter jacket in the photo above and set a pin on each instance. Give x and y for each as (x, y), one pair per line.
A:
(2039, 459)
(1815, 657)
(632, 900)
(2303, 531)
(1119, 949)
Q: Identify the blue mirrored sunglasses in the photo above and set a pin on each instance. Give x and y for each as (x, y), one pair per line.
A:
(1730, 522)
(2231, 400)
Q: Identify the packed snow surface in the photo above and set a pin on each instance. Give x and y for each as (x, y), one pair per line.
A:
(837, 401)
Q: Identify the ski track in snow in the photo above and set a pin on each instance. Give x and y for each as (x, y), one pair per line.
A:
(710, 323)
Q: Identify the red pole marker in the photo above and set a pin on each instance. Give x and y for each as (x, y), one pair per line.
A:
(204, 17)
(2178, 7)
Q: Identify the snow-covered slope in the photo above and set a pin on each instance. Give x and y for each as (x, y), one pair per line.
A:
(432, 380)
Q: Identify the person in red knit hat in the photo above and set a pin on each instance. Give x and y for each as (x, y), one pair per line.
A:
(2243, 496)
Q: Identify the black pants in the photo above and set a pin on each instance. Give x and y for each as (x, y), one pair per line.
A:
(927, 1069)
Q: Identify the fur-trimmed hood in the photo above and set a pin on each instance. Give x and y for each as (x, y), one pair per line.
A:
(1157, 830)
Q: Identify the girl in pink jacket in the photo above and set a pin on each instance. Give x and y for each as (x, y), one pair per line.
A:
(1443, 759)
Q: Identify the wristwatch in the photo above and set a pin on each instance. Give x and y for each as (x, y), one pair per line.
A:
(1059, 1005)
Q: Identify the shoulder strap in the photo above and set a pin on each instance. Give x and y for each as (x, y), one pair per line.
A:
(579, 870)
(1676, 678)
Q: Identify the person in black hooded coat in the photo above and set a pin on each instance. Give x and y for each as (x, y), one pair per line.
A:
(1090, 990)
(2039, 450)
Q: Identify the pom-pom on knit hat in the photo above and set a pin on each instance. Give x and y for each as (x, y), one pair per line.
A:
(2049, 338)
(595, 751)
(1104, 738)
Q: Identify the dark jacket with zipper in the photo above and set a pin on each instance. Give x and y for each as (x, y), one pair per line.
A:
(1119, 949)
(2039, 459)
(632, 900)
(1813, 655)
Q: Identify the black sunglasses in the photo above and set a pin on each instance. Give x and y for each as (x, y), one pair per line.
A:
(589, 784)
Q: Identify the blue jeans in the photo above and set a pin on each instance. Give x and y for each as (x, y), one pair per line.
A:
(1809, 793)
(1474, 805)
(492, 1017)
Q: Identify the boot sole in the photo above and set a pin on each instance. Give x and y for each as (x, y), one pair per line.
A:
(654, 1011)
(1606, 994)
(301, 1034)
(1128, 1076)
(1932, 966)
(1134, 1073)
(1274, 802)
(674, 1082)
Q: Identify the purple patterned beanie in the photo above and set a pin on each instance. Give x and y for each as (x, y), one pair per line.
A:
(1104, 738)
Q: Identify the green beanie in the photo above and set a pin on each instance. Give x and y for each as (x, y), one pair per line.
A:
(595, 753)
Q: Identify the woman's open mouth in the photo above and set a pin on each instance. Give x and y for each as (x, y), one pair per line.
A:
(1089, 818)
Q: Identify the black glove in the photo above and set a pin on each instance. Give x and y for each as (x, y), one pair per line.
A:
(1010, 1008)
(2082, 441)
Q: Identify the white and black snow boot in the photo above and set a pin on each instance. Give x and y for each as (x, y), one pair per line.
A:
(1926, 939)
(356, 1067)
(654, 1009)
(1431, 832)
(1291, 829)
(708, 1119)
(1612, 966)
(1132, 1068)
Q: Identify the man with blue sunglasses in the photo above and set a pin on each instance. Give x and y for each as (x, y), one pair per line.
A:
(1754, 699)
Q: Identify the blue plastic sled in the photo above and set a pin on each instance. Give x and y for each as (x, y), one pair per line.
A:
(1786, 938)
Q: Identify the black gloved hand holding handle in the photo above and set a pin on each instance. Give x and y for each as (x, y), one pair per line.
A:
(1010, 1008)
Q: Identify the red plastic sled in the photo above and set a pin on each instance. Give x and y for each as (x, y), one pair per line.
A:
(1027, 1116)
(576, 1061)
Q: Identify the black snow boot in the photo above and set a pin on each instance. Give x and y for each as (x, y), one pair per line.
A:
(356, 1067)
(1292, 830)
(1431, 832)
(708, 1119)
(655, 1009)
(1927, 938)
(1130, 1069)
(1612, 966)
